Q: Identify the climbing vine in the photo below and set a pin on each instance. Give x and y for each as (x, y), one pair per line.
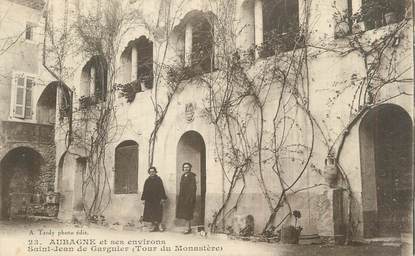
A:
(257, 100)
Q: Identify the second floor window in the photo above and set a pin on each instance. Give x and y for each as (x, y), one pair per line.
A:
(199, 49)
(46, 104)
(145, 62)
(94, 79)
(280, 25)
(202, 45)
(22, 99)
(378, 13)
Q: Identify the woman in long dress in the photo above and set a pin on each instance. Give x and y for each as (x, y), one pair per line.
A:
(154, 196)
(187, 196)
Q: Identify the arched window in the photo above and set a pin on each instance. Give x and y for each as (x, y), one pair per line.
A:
(270, 25)
(137, 63)
(202, 45)
(94, 79)
(126, 168)
(46, 105)
(280, 25)
(196, 33)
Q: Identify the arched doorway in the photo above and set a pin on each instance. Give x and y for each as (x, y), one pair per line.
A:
(46, 105)
(386, 164)
(19, 180)
(191, 148)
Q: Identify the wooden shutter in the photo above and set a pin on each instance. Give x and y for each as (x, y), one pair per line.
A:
(19, 100)
(126, 170)
(132, 181)
(28, 98)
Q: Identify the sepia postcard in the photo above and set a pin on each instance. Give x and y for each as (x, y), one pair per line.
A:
(206, 127)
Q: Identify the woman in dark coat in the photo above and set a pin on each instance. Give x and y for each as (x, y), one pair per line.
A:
(154, 196)
(187, 196)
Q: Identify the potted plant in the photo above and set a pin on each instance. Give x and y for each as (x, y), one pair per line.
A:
(129, 90)
(393, 11)
(358, 25)
(342, 27)
(391, 17)
(291, 234)
(86, 101)
(146, 82)
(372, 13)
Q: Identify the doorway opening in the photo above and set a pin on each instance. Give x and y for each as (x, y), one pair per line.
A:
(191, 148)
(386, 164)
(19, 181)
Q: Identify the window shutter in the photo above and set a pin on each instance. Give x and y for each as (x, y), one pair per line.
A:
(19, 109)
(119, 172)
(132, 180)
(28, 98)
(126, 170)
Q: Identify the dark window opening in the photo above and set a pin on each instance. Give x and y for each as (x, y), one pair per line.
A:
(100, 78)
(202, 46)
(65, 106)
(145, 62)
(126, 168)
(100, 81)
(378, 13)
(46, 105)
(280, 26)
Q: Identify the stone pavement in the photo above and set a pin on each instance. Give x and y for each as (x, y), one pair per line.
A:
(57, 239)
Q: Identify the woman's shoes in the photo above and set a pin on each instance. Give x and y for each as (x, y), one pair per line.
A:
(187, 231)
(155, 229)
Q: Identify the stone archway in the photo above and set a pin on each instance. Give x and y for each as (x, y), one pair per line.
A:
(386, 162)
(19, 180)
(46, 105)
(191, 148)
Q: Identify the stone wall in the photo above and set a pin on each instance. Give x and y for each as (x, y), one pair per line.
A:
(318, 205)
(46, 175)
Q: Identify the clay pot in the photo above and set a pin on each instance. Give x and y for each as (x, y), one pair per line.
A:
(330, 172)
(391, 17)
(342, 29)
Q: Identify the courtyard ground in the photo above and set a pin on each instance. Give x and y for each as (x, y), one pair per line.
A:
(57, 239)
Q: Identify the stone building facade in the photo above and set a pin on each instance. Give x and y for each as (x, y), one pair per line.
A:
(372, 171)
(27, 116)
